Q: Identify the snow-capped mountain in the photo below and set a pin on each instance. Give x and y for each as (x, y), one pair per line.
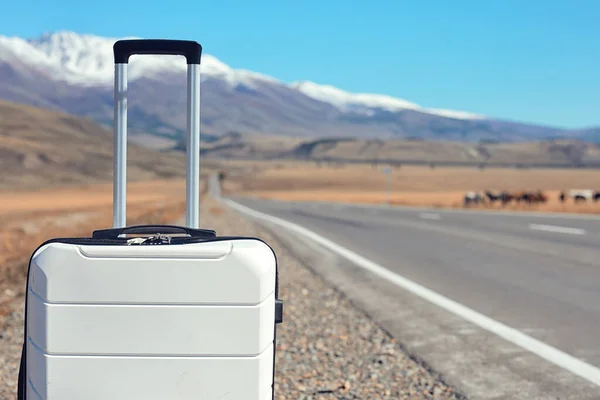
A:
(86, 60)
(74, 72)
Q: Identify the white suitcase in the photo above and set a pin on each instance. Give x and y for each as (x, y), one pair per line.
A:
(170, 313)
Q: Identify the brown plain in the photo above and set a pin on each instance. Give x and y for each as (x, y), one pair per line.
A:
(410, 185)
(28, 218)
(44, 148)
(28, 212)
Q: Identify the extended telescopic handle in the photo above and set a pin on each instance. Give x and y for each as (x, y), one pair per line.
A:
(192, 51)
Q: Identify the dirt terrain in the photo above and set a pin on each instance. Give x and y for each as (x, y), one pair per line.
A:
(29, 218)
(409, 185)
(42, 148)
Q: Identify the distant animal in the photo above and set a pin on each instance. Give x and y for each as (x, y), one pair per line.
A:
(524, 196)
(492, 197)
(506, 197)
(472, 197)
(520, 196)
(539, 197)
(581, 195)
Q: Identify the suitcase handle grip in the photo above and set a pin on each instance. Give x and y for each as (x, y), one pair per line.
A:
(151, 230)
(123, 49)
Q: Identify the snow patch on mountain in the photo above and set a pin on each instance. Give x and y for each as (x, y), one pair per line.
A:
(357, 102)
(87, 60)
(347, 101)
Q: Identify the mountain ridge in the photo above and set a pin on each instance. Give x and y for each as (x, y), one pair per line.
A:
(73, 72)
(62, 51)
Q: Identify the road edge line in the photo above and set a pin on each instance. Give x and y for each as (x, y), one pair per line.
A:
(557, 229)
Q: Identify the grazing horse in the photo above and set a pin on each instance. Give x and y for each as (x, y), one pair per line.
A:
(492, 197)
(520, 196)
(472, 197)
(523, 196)
(506, 197)
(581, 195)
(528, 197)
(539, 197)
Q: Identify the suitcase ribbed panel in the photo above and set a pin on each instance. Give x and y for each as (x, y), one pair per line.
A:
(153, 330)
(149, 378)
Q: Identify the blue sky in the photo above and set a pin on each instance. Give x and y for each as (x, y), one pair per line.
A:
(526, 60)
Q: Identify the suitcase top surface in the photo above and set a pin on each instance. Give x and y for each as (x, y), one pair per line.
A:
(238, 271)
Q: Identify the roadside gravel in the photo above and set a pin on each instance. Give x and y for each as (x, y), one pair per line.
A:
(326, 348)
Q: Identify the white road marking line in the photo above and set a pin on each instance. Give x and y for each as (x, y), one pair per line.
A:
(557, 229)
(430, 216)
(543, 350)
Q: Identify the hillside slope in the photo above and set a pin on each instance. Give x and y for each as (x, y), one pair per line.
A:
(39, 148)
(549, 153)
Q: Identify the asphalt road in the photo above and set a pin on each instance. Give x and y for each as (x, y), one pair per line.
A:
(537, 274)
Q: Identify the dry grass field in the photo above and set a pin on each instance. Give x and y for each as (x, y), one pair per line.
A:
(83, 197)
(410, 185)
(28, 218)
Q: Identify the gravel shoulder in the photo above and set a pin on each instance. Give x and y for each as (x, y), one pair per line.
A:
(326, 347)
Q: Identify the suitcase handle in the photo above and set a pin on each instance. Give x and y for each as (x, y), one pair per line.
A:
(123, 49)
(114, 233)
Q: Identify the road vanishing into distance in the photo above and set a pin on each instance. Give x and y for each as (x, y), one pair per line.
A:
(511, 305)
